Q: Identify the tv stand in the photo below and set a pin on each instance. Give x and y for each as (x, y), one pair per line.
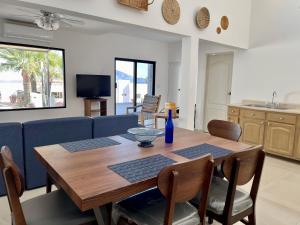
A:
(88, 111)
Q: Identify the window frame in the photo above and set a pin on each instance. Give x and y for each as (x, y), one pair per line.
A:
(64, 75)
(135, 62)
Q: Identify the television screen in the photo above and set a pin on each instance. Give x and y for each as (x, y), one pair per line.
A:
(31, 77)
(93, 86)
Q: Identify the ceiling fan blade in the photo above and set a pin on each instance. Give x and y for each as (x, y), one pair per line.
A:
(29, 11)
(71, 21)
(66, 24)
(27, 16)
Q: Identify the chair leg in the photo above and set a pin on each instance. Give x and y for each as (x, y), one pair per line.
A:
(48, 184)
(252, 219)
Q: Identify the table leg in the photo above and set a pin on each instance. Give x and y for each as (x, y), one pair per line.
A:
(103, 214)
(99, 216)
(155, 122)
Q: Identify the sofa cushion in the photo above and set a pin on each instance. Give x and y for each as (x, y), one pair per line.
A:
(47, 132)
(11, 136)
(105, 126)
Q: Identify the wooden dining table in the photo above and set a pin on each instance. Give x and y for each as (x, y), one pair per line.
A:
(87, 179)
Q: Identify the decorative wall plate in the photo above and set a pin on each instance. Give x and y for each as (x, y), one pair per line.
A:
(219, 30)
(203, 18)
(171, 11)
(224, 22)
(137, 4)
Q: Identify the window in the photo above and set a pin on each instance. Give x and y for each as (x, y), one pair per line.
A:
(134, 79)
(31, 77)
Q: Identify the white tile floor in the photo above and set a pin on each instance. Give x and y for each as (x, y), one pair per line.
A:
(278, 201)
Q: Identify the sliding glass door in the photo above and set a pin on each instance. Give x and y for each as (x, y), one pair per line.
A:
(134, 79)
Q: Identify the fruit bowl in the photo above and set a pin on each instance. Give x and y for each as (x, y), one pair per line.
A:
(145, 135)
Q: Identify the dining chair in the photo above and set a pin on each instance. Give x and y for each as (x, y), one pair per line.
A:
(229, 204)
(48, 209)
(225, 129)
(149, 107)
(168, 204)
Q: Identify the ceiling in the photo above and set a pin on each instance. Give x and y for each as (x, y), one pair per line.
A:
(91, 26)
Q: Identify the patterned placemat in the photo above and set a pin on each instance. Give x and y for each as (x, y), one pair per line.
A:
(89, 144)
(200, 150)
(141, 169)
(128, 136)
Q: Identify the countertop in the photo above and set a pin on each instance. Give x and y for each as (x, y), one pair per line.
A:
(295, 109)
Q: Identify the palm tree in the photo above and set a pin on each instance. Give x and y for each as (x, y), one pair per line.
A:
(23, 61)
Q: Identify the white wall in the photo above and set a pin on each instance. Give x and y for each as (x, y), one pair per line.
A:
(237, 11)
(95, 54)
(272, 62)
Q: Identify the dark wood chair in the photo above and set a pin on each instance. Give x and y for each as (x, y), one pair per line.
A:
(225, 129)
(229, 204)
(149, 107)
(168, 204)
(53, 208)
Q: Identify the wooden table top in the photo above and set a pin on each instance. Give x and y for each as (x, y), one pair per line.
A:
(88, 181)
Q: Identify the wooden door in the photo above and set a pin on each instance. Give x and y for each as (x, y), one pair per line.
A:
(252, 131)
(218, 86)
(280, 138)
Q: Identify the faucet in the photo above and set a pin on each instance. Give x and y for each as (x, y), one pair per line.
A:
(274, 97)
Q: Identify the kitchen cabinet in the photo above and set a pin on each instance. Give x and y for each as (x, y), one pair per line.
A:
(277, 131)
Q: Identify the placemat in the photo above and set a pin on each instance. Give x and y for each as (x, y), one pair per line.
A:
(89, 144)
(128, 136)
(141, 169)
(200, 150)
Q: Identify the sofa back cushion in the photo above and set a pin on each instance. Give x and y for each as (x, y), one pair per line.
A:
(105, 126)
(48, 132)
(11, 136)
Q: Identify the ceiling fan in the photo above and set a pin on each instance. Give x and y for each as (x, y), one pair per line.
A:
(50, 20)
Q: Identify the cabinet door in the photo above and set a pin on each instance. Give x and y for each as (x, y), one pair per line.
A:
(297, 145)
(280, 138)
(253, 131)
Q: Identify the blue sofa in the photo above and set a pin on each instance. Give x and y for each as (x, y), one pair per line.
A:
(47, 132)
(11, 135)
(22, 138)
(105, 126)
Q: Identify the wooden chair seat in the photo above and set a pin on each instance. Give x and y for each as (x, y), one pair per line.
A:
(54, 208)
(217, 198)
(149, 208)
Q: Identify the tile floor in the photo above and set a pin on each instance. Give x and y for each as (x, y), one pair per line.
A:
(278, 200)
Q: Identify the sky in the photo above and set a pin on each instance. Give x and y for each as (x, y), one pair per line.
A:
(128, 67)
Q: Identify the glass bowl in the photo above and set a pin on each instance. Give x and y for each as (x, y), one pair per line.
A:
(145, 135)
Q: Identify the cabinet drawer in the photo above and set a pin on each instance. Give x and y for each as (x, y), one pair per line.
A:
(282, 118)
(253, 114)
(233, 119)
(233, 111)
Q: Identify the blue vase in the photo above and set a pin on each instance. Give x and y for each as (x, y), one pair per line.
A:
(169, 130)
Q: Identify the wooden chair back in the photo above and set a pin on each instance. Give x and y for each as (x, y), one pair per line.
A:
(183, 181)
(14, 183)
(225, 129)
(240, 169)
(151, 103)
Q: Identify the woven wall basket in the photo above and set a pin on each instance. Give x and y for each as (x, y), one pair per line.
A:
(171, 11)
(224, 22)
(203, 18)
(137, 4)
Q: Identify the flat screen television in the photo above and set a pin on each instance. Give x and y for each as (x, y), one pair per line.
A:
(93, 86)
